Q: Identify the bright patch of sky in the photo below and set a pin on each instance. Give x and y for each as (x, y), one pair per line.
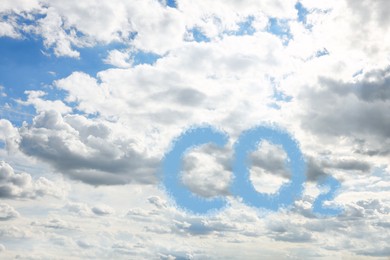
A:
(198, 35)
(141, 57)
(244, 28)
(171, 3)
(280, 28)
(302, 12)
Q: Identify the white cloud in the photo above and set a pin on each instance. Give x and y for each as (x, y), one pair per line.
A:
(54, 35)
(215, 18)
(36, 98)
(65, 27)
(12, 232)
(90, 96)
(9, 134)
(102, 210)
(22, 185)
(87, 150)
(7, 212)
(8, 30)
(118, 58)
(18, 5)
(207, 172)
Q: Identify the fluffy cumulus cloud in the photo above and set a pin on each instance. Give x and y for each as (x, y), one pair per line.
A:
(82, 176)
(22, 185)
(9, 134)
(86, 150)
(7, 212)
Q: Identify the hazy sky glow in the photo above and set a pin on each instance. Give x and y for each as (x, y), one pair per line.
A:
(101, 99)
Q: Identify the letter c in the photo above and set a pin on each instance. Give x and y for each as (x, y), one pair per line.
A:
(172, 165)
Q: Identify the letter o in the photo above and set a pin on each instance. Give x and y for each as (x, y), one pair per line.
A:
(243, 187)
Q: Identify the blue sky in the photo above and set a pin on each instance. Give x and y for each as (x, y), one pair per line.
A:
(109, 114)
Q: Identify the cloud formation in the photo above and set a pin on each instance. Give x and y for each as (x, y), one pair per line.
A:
(128, 77)
(85, 150)
(7, 212)
(22, 185)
